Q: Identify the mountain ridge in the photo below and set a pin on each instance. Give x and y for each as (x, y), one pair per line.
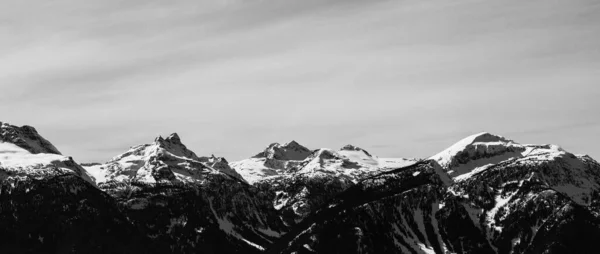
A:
(483, 194)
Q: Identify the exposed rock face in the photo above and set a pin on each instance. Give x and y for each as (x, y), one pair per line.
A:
(217, 216)
(354, 148)
(540, 199)
(295, 197)
(25, 154)
(27, 138)
(286, 152)
(48, 203)
(186, 203)
(477, 150)
(485, 194)
(165, 160)
(303, 186)
(274, 161)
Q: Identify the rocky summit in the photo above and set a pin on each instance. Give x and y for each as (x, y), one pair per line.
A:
(484, 194)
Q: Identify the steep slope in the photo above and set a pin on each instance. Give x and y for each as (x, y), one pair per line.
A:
(49, 205)
(392, 212)
(186, 203)
(485, 194)
(27, 138)
(477, 151)
(572, 175)
(24, 153)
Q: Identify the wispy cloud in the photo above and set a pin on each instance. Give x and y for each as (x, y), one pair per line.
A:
(233, 76)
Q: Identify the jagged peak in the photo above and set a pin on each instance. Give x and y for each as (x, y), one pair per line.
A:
(173, 138)
(168, 151)
(172, 144)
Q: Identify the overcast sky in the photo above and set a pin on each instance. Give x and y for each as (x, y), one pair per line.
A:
(397, 78)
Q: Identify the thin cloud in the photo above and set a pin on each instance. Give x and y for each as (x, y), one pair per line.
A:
(417, 74)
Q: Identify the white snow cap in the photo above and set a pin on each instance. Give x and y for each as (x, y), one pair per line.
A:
(475, 146)
(168, 155)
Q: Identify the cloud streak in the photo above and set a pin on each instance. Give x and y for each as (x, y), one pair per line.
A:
(233, 76)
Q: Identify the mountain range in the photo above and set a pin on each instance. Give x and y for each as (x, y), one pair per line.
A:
(484, 194)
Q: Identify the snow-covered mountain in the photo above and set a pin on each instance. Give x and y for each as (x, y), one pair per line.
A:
(27, 138)
(289, 151)
(302, 179)
(197, 204)
(350, 162)
(24, 153)
(164, 160)
(484, 194)
(48, 203)
(274, 161)
(293, 159)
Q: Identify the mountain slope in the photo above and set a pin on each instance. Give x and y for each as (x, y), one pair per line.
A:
(301, 186)
(274, 161)
(186, 203)
(24, 153)
(292, 158)
(164, 160)
(485, 194)
(48, 204)
(27, 138)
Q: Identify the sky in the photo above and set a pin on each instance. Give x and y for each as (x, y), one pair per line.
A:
(397, 78)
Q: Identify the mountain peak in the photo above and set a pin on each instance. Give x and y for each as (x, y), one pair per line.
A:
(173, 138)
(485, 137)
(289, 151)
(479, 146)
(167, 159)
(174, 145)
(479, 138)
(27, 138)
(291, 144)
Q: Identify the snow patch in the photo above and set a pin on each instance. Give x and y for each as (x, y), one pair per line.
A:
(269, 232)
(426, 249)
(229, 228)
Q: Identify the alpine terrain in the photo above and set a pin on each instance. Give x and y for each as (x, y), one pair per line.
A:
(484, 194)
